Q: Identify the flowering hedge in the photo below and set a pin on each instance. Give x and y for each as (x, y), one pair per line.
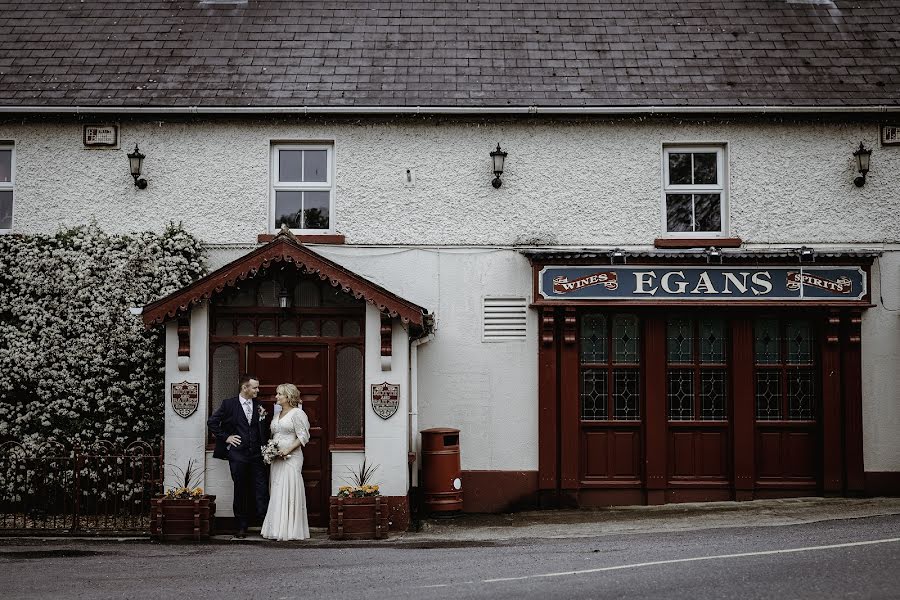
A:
(75, 365)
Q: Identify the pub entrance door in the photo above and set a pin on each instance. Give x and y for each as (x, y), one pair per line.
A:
(306, 366)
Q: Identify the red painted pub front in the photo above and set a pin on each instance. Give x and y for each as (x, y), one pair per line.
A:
(670, 379)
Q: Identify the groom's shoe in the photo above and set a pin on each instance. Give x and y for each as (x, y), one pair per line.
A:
(241, 534)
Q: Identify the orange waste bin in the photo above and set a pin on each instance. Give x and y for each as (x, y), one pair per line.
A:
(441, 472)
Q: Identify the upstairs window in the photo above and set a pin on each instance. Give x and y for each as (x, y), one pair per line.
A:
(694, 191)
(7, 182)
(303, 187)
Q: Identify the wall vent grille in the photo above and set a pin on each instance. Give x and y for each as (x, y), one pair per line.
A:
(505, 319)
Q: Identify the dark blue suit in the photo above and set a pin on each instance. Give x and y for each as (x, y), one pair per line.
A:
(248, 472)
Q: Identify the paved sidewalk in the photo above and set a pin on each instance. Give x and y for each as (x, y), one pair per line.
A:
(490, 529)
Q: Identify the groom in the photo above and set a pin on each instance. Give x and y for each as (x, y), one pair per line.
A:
(240, 427)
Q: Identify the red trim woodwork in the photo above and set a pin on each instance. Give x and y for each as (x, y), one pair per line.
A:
(654, 414)
(568, 398)
(851, 369)
(548, 423)
(732, 242)
(882, 483)
(184, 335)
(386, 334)
(325, 238)
(499, 491)
(743, 408)
(284, 248)
(832, 446)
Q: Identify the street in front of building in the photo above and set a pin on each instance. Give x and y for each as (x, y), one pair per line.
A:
(650, 554)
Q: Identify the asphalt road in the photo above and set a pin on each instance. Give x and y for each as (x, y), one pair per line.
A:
(852, 558)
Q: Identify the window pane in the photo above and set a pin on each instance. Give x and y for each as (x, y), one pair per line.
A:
(267, 327)
(705, 168)
(593, 339)
(6, 202)
(309, 328)
(712, 395)
(712, 340)
(315, 164)
(267, 295)
(288, 327)
(679, 340)
(224, 375)
(680, 394)
(289, 164)
(593, 395)
(626, 339)
(352, 329)
(799, 343)
(307, 294)
(707, 212)
(224, 327)
(765, 346)
(626, 395)
(801, 395)
(350, 390)
(768, 395)
(330, 329)
(245, 328)
(679, 216)
(679, 168)
(6, 165)
(315, 210)
(288, 209)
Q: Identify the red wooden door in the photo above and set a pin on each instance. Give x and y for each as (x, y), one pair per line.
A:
(306, 366)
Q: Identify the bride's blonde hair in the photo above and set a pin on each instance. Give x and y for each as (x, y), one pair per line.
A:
(291, 392)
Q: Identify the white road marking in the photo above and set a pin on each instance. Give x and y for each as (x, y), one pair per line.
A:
(671, 561)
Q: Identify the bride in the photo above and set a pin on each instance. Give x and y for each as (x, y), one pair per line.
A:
(286, 518)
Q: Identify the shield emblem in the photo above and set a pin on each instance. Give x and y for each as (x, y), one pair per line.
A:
(385, 399)
(185, 398)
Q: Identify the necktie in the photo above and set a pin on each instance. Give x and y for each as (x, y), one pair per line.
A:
(248, 410)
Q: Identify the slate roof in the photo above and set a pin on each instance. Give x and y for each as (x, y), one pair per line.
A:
(513, 53)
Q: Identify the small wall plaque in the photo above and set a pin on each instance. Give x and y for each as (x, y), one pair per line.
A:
(890, 135)
(185, 398)
(385, 399)
(101, 136)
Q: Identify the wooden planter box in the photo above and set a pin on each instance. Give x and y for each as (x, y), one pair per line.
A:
(358, 518)
(176, 520)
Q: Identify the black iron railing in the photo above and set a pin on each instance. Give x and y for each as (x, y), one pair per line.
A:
(101, 488)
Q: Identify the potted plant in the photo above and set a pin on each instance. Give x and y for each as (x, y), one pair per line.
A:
(183, 512)
(358, 512)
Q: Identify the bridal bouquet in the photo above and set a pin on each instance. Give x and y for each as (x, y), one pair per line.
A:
(270, 452)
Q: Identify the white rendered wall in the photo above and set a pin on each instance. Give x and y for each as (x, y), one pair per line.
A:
(566, 182)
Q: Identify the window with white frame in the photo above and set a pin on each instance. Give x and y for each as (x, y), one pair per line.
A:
(694, 190)
(303, 187)
(7, 183)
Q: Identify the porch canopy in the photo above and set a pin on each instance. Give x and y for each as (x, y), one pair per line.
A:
(286, 248)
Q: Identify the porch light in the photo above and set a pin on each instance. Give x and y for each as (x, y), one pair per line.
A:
(714, 255)
(862, 161)
(617, 257)
(136, 161)
(499, 157)
(284, 299)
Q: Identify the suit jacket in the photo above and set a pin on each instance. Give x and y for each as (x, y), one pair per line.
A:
(229, 419)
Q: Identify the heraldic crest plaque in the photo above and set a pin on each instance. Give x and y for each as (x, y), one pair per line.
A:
(185, 398)
(385, 399)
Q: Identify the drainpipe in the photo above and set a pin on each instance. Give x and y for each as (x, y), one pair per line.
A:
(413, 418)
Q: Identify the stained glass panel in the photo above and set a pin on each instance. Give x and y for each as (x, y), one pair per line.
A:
(593, 338)
(350, 392)
(594, 395)
(626, 394)
(765, 341)
(224, 375)
(288, 327)
(309, 328)
(267, 327)
(680, 394)
(799, 343)
(679, 340)
(768, 395)
(626, 339)
(712, 341)
(801, 395)
(713, 395)
(246, 328)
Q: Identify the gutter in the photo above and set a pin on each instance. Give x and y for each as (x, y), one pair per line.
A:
(447, 110)
(413, 417)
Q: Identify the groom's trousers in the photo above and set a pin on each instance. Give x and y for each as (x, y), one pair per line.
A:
(251, 491)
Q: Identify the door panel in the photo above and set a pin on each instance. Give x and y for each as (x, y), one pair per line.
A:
(306, 366)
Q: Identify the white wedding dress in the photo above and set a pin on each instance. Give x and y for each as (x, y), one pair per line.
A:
(286, 517)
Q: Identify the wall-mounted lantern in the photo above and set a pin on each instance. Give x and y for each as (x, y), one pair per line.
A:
(713, 255)
(499, 157)
(806, 254)
(284, 298)
(617, 256)
(136, 161)
(862, 162)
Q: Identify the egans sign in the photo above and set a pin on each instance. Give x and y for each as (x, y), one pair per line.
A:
(702, 283)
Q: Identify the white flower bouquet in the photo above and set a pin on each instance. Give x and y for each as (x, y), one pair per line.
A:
(270, 452)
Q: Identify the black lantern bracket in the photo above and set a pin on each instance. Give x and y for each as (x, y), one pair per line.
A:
(136, 162)
(498, 157)
(862, 156)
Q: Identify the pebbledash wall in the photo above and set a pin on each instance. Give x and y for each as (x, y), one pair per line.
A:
(447, 239)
